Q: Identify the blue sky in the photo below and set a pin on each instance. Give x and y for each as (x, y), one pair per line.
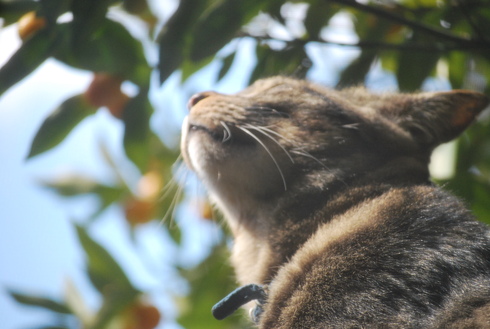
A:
(37, 246)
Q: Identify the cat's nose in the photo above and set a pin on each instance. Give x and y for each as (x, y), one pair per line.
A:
(196, 98)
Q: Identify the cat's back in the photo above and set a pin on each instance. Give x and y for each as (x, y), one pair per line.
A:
(412, 257)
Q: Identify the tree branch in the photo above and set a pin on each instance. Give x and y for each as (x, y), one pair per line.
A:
(437, 47)
(380, 12)
(464, 9)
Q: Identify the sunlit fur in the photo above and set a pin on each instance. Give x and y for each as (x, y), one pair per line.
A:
(327, 194)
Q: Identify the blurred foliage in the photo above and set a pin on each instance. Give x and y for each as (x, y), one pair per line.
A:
(206, 293)
(415, 40)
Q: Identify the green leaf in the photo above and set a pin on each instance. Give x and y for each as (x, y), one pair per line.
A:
(227, 61)
(115, 302)
(369, 29)
(273, 8)
(197, 30)
(217, 26)
(136, 118)
(355, 73)
(174, 35)
(415, 4)
(472, 176)
(112, 50)
(216, 29)
(473, 18)
(88, 16)
(480, 69)
(389, 60)
(190, 67)
(262, 54)
(415, 66)
(480, 206)
(59, 124)
(11, 11)
(318, 15)
(170, 57)
(291, 61)
(52, 9)
(69, 186)
(414, 69)
(72, 185)
(105, 273)
(108, 195)
(174, 232)
(42, 302)
(136, 6)
(457, 63)
(34, 51)
(210, 282)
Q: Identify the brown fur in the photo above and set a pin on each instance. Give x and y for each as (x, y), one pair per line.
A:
(327, 194)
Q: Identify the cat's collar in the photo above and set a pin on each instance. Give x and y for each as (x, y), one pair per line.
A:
(240, 297)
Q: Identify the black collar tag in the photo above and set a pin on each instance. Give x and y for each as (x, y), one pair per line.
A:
(237, 298)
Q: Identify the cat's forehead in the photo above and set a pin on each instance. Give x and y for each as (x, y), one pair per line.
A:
(271, 85)
(284, 91)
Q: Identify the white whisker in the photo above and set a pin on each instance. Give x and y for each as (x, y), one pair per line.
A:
(308, 155)
(265, 132)
(171, 184)
(172, 208)
(175, 187)
(268, 151)
(266, 128)
(226, 132)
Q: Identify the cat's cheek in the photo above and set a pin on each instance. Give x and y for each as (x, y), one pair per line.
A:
(196, 156)
(192, 149)
(184, 141)
(195, 149)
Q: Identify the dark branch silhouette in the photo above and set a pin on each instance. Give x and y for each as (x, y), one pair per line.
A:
(423, 47)
(442, 34)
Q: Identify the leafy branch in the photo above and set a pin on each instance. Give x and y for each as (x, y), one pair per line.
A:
(438, 33)
(376, 45)
(464, 9)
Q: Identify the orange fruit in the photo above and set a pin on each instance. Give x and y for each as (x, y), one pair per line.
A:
(105, 90)
(150, 185)
(29, 24)
(138, 211)
(147, 316)
(206, 210)
(142, 316)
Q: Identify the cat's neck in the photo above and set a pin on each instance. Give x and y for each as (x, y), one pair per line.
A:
(317, 190)
(264, 243)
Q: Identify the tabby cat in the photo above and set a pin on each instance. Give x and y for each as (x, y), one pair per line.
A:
(336, 223)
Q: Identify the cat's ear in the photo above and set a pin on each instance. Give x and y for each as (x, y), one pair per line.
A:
(435, 118)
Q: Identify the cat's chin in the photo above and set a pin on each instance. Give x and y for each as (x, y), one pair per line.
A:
(237, 172)
(209, 151)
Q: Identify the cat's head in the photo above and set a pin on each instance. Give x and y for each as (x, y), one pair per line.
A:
(258, 143)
